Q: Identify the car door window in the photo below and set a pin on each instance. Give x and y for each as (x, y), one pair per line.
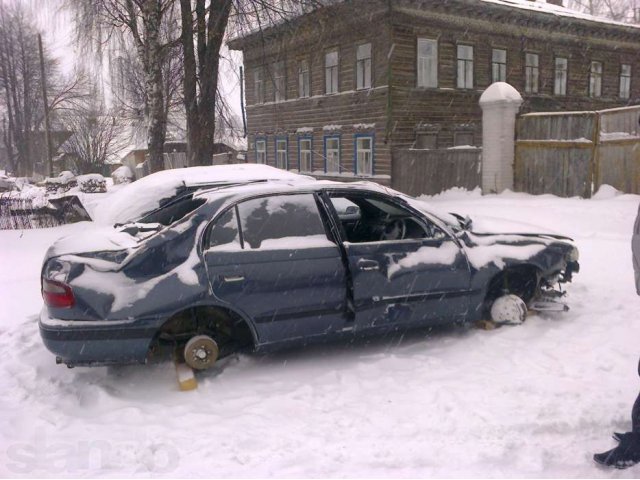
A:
(372, 219)
(282, 221)
(224, 233)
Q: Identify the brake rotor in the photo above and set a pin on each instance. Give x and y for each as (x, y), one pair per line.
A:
(201, 352)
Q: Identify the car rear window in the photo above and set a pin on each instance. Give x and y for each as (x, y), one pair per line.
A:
(173, 211)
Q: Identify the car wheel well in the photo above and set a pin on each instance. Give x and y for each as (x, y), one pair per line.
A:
(228, 328)
(520, 280)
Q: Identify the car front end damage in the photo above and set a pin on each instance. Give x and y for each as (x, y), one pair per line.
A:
(533, 267)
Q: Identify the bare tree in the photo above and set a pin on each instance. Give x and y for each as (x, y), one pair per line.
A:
(97, 136)
(205, 25)
(619, 10)
(148, 25)
(21, 105)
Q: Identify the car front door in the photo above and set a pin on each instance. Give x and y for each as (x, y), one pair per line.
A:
(271, 258)
(404, 268)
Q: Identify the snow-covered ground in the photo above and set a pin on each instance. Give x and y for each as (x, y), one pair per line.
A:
(536, 400)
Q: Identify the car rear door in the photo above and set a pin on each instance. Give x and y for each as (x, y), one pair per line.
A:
(271, 258)
(422, 278)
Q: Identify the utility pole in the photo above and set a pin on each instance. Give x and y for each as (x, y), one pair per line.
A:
(47, 134)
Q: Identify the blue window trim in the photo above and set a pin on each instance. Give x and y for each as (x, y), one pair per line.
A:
(275, 149)
(372, 136)
(305, 137)
(255, 146)
(324, 152)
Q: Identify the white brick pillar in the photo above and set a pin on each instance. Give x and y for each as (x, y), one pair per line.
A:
(500, 103)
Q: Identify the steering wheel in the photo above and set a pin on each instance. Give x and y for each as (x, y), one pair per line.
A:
(395, 230)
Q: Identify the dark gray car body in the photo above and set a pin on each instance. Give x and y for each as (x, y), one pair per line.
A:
(129, 282)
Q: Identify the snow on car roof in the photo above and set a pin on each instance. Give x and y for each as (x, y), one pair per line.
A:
(246, 190)
(146, 194)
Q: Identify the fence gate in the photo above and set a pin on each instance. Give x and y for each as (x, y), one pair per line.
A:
(574, 153)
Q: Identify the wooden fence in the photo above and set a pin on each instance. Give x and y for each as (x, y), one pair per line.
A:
(574, 153)
(418, 172)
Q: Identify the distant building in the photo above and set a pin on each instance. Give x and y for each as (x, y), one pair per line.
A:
(340, 90)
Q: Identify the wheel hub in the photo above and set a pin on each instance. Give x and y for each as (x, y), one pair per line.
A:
(201, 352)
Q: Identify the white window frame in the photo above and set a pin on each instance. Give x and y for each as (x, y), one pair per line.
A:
(498, 65)
(427, 63)
(332, 155)
(305, 158)
(261, 151)
(364, 156)
(258, 85)
(560, 75)
(595, 79)
(304, 79)
(282, 154)
(625, 81)
(363, 66)
(279, 82)
(464, 59)
(531, 72)
(331, 71)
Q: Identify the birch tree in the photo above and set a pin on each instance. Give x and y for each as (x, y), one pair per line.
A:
(148, 26)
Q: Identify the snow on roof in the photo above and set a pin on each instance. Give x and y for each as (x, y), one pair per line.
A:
(541, 6)
(537, 6)
(146, 194)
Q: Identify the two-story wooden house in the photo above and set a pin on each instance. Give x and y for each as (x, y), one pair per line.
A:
(337, 91)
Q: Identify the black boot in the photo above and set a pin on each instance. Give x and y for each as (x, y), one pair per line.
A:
(626, 454)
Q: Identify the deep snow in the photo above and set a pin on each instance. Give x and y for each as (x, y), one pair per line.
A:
(533, 400)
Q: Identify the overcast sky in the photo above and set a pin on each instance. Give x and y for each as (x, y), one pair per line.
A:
(56, 25)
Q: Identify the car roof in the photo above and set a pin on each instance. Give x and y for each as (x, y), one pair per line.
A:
(279, 186)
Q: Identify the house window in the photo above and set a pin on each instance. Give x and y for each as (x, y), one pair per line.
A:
(426, 140)
(258, 85)
(331, 71)
(279, 82)
(261, 151)
(332, 154)
(364, 155)
(498, 65)
(281, 153)
(304, 79)
(465, 66)
(531, 73)
(363, 66)
(463, 137)
(595, 79)
(625, 81)
(427, 63)
(304, 155)
(560, 78)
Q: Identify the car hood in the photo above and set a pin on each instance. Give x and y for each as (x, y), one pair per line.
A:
(484, 225)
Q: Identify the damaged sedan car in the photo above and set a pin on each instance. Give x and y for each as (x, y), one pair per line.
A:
(275, 263)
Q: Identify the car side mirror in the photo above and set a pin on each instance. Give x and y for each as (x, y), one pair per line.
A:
(351, 210)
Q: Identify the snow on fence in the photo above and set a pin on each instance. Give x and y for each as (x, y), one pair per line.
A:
(574, 153)
(429, 172)
(19, 213)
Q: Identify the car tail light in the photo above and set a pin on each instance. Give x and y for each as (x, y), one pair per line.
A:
(57, 294)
